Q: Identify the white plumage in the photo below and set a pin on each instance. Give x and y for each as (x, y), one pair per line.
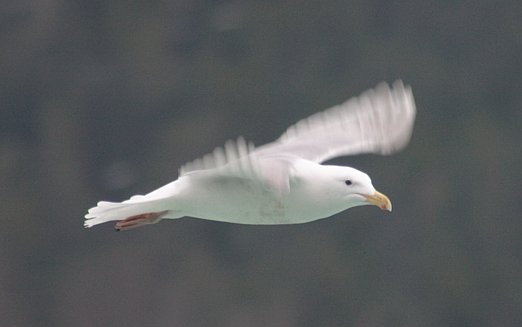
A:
(281, 182)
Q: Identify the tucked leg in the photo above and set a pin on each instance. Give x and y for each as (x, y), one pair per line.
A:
(139, 220)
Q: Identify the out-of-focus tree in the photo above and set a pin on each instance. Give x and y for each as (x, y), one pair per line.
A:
(105, 99)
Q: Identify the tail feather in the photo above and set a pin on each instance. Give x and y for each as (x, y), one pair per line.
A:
(155, 201)
(112, 211)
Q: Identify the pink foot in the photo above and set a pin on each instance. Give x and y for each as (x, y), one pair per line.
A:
(139, 220)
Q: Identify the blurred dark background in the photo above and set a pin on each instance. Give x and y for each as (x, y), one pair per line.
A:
(106, 99)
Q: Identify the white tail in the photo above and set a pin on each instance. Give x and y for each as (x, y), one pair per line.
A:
(154, 202)
(111, 211)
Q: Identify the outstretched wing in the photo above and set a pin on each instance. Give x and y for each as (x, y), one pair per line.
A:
(380, 121)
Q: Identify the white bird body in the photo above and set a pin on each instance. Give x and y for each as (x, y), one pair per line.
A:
(244, 200)
(281, 182)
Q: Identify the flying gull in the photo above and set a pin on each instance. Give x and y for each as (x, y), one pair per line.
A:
(282, 182)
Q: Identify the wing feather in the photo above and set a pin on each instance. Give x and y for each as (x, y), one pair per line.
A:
(379, 121)
(221, 156)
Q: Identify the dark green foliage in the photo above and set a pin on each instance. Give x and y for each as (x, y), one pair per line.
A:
(105, 99)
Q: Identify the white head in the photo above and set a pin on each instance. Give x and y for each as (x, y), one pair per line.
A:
(348, 187)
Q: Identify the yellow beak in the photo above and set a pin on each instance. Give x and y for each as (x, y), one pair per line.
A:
(379, 200)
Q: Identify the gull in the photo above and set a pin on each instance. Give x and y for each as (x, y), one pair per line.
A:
(283, 182)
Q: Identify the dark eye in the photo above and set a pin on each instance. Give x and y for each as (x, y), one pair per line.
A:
(348, 182)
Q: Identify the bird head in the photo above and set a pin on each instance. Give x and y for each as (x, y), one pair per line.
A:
(352, 188)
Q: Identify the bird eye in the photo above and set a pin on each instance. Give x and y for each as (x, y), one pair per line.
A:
(348, 182)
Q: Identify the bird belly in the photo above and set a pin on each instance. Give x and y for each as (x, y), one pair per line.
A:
(238, 205)
(245, 201)
(242, 203)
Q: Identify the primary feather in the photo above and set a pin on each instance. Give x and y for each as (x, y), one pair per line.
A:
(378, 121)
